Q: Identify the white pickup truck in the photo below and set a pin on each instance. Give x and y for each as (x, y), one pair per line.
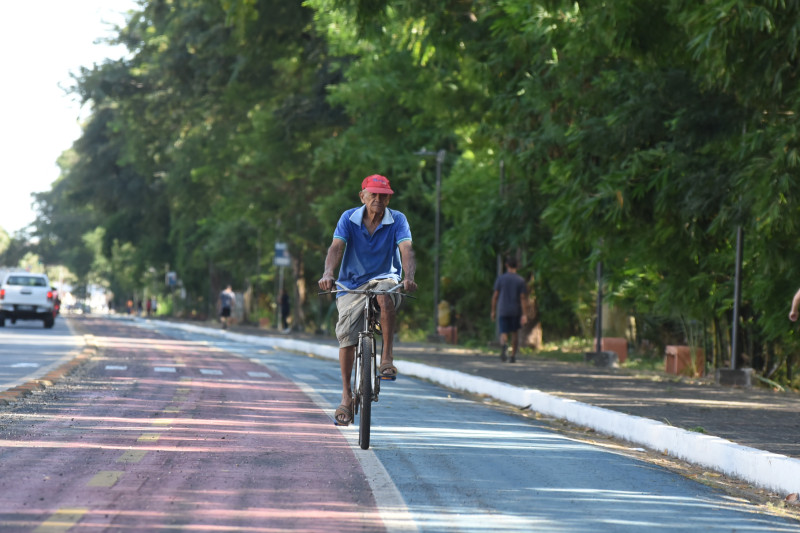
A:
(26, 296)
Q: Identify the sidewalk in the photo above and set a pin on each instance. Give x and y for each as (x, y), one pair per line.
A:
(663, 413)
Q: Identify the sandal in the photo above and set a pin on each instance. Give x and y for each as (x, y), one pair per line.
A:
(343, 415)
(388, 371)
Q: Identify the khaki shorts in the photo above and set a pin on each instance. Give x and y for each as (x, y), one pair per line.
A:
(351, 311)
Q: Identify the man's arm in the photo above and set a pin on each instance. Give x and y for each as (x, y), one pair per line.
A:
(495, 296)
(409, 266)
(795, 304)
(332, 260)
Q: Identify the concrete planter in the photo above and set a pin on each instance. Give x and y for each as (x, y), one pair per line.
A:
(618, 345)
(678, 361)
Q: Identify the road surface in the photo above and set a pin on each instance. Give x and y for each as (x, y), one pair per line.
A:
(28, 350)
(168, 430)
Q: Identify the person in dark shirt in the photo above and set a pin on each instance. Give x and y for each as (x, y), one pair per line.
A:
(510, 305)
(284, 302)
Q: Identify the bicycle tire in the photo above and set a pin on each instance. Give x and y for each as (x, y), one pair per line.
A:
(365, 384)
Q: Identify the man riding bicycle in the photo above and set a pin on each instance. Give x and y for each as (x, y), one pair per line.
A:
(373, 245)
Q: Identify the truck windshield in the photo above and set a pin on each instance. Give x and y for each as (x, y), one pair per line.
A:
(26, 281)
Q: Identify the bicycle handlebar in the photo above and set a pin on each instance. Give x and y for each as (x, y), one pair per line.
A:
(342, 288)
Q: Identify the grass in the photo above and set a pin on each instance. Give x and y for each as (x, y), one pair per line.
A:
(569, 350)
(572, 350)
(644, 362)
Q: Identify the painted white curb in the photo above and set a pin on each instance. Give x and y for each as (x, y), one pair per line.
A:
(768, 470)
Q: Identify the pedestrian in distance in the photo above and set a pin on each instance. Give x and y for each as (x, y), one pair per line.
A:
(149, 307)
(372, 247)
(284, 303)
(227, 299)
(510, 306)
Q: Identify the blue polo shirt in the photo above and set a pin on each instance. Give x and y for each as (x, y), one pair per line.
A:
(367, 257)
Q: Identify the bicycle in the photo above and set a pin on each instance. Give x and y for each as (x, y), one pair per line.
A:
(366, 382)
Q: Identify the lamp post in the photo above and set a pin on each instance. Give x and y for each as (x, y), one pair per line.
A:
(440, 155)
(737, 297)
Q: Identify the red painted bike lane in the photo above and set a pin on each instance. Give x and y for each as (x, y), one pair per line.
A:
(158, 434)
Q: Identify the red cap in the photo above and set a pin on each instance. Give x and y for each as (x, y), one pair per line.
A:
(376, 184)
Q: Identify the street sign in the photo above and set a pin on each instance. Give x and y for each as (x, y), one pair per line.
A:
(171, 279)
(281, 255)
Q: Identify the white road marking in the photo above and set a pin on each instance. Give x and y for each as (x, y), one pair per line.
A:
(25, 365)
(116, 367)
(391, 505)
(210, 372)
(164, 369)
(259, 374)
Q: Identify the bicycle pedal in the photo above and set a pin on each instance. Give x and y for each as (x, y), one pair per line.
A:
(388, 378)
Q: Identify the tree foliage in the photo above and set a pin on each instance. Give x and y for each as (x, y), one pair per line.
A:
(640, 134)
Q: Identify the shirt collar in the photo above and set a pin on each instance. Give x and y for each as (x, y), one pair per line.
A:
(358, 216)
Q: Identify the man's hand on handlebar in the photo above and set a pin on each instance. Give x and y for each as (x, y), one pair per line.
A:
(326, 283)
(409, 285)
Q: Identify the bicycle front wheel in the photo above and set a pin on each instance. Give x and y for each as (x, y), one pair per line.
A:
(365, 387)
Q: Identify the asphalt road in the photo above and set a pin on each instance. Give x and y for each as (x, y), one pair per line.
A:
(171, 430)
(28, 350)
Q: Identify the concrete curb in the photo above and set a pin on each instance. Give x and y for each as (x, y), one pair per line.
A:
(778, 473)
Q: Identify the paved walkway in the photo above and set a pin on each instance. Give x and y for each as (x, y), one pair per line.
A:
(755, 417)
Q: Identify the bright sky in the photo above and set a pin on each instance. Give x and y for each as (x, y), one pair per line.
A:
(41, 42)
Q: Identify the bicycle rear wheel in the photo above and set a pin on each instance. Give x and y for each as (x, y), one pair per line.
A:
(365, 387)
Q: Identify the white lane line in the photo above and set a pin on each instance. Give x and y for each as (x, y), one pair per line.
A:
(210, 372)
(391, 505)
(116, 367)
(164, 369)
(259, 374)
(25, 365)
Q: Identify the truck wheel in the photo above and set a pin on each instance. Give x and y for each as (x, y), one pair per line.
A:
(49, 321)
(2, 321)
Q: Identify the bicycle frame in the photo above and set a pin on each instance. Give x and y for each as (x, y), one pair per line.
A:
(365, 386)
(368, 332)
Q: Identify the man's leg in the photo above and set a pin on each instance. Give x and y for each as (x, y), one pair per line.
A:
(514, 345)
(346, 358)
(503, 346)
(388, 316)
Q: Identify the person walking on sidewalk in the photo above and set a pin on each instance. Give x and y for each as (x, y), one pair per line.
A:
(284, 304)
(373, 245)
(227, 299)
(510, 304)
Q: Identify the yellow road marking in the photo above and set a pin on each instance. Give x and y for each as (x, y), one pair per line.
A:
(132, 456)
(61, 520)
(149, 437)
(163, 422)
(105, 478)
(172, 410)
